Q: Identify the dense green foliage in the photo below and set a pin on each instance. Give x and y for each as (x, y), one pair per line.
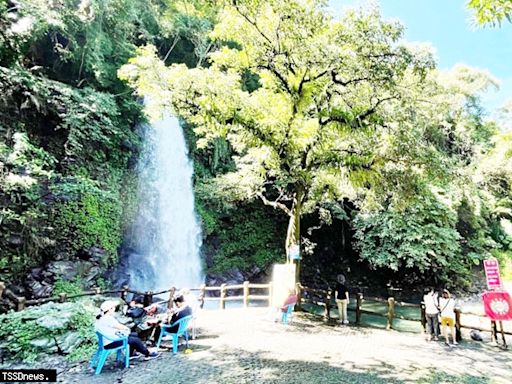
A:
(48, 327)
(246, 237)
(67, 122)
(342, 110)
(297, 119)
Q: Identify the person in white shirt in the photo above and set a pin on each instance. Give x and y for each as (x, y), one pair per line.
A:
(430, 300)
(447, 308)
(107, 325)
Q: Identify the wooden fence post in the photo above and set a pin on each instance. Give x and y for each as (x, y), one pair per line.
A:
(170, 303)
(270, 288)
(359, 304)
(97, 290)
(391, 312)
(458, 334)
(148, 298)
(299, 295)
(2, 288)
(246, 294)
(202, 294)
(20, 304)
(222, 303)
(423, 317)
(63, 297)
(327, 313)
(124, 293)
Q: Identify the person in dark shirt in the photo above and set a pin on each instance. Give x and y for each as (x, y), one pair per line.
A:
(180, 311)
(342, 300)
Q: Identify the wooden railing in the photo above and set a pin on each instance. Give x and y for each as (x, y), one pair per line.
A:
(318, 297)
(245, 297)
(20, 303)
(322, 297)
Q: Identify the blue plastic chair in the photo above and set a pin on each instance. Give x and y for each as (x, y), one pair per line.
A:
(288, 313)
(182, 331)
(99, 358)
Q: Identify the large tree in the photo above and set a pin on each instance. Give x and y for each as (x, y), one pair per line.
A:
(336, 103)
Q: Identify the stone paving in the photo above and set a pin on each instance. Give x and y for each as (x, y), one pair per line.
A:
(246, 346)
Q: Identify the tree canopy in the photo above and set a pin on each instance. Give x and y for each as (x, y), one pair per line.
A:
(334, 109)
(491, 12)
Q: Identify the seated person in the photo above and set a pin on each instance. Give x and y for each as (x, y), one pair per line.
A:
(277, 311)
(173, 315)
(107, 325)
(141, 315)
(136, 308)
(291, 299)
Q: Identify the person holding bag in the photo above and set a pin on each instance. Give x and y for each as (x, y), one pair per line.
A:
(447, 312)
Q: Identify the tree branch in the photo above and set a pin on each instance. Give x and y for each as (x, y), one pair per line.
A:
(253, 23)
(274, 204)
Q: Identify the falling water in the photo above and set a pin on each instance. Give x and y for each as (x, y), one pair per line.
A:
(166, 236)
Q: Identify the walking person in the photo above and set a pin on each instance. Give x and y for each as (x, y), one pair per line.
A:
(447, 309)
(431, 301)
(342, 299)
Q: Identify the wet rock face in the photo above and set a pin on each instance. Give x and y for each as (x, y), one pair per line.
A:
(65, 270)
(85, 267)
(93, 254)
(38, 289)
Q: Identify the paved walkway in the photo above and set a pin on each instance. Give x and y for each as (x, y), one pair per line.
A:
(244, 346)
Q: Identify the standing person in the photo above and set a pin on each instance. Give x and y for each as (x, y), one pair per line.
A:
(107, 325)
(342, 300)
(447, 309)
(431, 301)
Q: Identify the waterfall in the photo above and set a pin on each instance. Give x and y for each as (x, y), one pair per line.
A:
(166, 237)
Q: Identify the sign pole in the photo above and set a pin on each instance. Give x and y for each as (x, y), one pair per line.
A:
(503, 335)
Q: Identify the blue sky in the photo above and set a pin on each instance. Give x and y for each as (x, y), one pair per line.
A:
(448, 26)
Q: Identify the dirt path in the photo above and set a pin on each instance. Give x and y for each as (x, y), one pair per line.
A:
(244, 346)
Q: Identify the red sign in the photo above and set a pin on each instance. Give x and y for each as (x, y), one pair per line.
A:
(497, 305)
(492, 274)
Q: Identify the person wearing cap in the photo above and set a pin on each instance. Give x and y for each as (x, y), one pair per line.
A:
(447, 311)
(107, 325)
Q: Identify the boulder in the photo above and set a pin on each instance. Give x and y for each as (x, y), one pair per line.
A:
(91, 276)
(36, 273)
(56, 316)
(18, 290)
(61, 256)
(45, 344)
(68, 341)
(93, 254)
(65, 270)
(38, 289)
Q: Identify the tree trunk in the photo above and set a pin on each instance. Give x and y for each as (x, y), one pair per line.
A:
(293, 232)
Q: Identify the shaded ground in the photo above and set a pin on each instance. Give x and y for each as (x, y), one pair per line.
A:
(245, 346)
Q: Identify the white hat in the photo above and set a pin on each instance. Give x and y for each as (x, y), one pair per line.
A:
(109, 304)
